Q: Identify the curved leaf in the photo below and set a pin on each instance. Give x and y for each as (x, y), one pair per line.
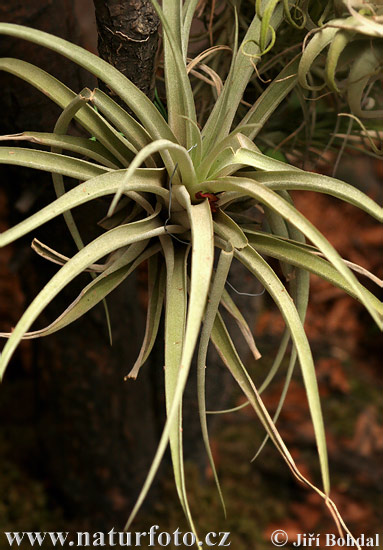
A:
(215, 295)
(82, 146)
(321, 39)
(96, 125)
(337, 46)
(91, 295)
(304, 259)
(368, 64)
(145, 180)
(103, 245)
(268, 197)
(269, 100)
(309, 181)
(226, 228)
(201, 269)
(230, 306)
(124, 88)
(257, 265)
(156, 291)
(51, 162)
(122, 120)
(181, 155)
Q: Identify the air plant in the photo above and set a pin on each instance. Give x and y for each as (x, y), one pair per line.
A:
(178, 194)
(355, 47)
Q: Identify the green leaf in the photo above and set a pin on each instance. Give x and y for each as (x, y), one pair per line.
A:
(61, 127)
(92, 294)
(258, 190)
(175, 321)
(220, 160)
(174, 67)
(57, 258)
(180, 100)
(123, 121)
(201, 269)
(55, 90)
(337, 46)
(156, 291)
(230, 306)
(122, 148)
(368, 64)
(278, 227)
(309, 181)
(215, 128)
(279, 356)
(188, 10)
(299, 286)
(122, 86)
(229, 356)
(321, 39)
(222, 116)
(181, 155)
(226, 228)
(257, 265)
(51, 162)
(244, 157)
(103, 245)
(266, 26)
(82, 146)
(216, 291)
(305, 259)
(146, 180)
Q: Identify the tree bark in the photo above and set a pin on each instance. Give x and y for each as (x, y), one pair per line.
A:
(128, 39)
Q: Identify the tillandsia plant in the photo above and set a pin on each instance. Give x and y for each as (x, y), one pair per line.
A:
(181, 195)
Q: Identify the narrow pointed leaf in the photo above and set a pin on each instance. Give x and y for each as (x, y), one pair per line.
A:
(103, 245)
(122, 120)
(57, 258)
(309, 181)
(181, 155)
(82, 146)
(89, 297)
(145, 180)
(127, 91)
(217, 289)
(257, 265)
(93, 123)
(175, 321)
(156, 291)
(226, 228)
(304, 259)
(201, 269)
(269, 100)
(278, 204)
(51, 162)
(229, 304)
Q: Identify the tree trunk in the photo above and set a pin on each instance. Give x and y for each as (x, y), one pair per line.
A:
(128, 39)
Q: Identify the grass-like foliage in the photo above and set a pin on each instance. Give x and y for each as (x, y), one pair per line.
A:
(179, 193)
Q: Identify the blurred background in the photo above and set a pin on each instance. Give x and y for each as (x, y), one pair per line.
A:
(76, 441)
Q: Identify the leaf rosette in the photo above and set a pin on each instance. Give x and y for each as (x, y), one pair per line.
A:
(179, 200)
